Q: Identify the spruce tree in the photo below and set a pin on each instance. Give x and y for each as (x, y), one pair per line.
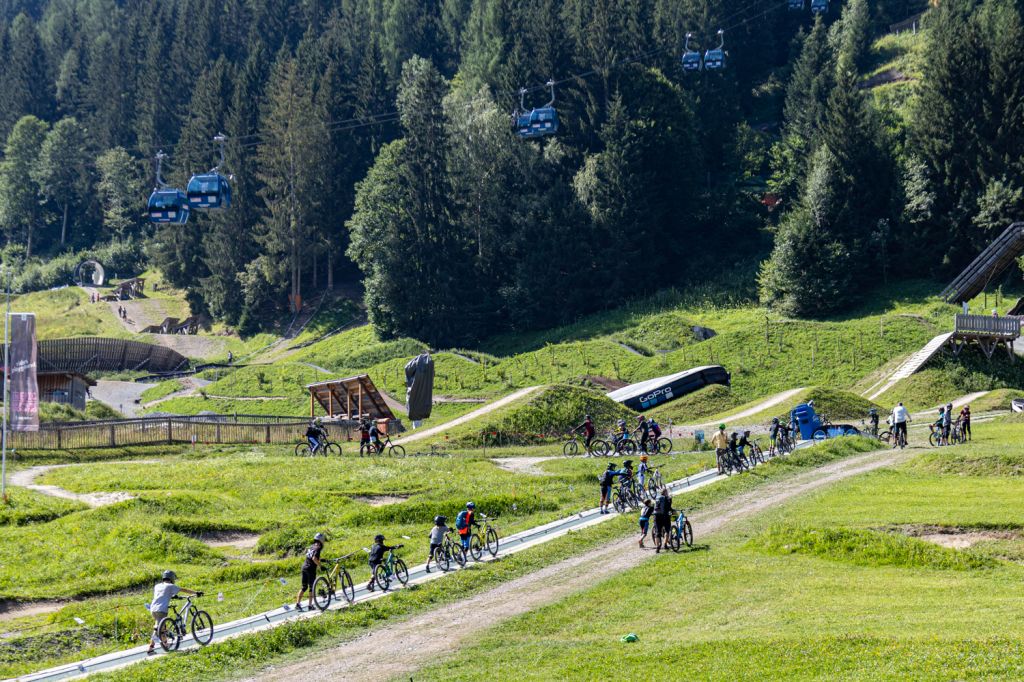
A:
(61, 172)
(21, 214)
(121, 189)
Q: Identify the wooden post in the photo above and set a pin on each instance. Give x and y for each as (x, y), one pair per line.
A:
(360, 399)
(312, 411)
(268, 433)
(348, 402)
(113, 437)
(169, 441)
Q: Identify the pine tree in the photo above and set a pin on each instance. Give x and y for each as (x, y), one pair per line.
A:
(21, 214)
(60, 170)
(120, 186)
(25, 86)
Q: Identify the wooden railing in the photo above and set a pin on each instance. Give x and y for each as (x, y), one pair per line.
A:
(985, 325)
(200, 430)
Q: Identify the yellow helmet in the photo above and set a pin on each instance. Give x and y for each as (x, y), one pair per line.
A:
(643, 458)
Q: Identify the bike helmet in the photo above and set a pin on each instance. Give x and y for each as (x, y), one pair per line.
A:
(378, 538)
(320, 537)
(586, 418)
(611, 465)
(170, 576)
(470, 505)
(746, 433)
(734, 435)
(440, 520)
(628, 464)
(721, 427)
(643, 458)
(872, 411)
(775, 420)
(639, 417)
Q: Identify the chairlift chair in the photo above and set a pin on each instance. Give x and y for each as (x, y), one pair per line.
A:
(819, 6)
(212, 189)
(167, 204)
(691, 58)
(538, 122)
(714, 60)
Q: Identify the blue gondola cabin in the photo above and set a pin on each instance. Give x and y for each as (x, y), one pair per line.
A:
(168, 206)
(537, 123)
(209, 190)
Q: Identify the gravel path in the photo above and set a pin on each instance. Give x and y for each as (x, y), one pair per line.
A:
(123, 396)
(750, 412)
(470, 416)
(26, 479)
(523, 465)
(401, 649)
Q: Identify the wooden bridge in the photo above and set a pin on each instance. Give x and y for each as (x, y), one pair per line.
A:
(989, 332)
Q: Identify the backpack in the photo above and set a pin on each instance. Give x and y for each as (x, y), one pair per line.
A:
(460, 520)
(607, 477)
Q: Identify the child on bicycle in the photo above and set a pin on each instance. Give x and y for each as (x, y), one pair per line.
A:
(377, 551)
(621, 432)
(163, 592)
(437, 537)
(309, 569)
(645, 519)
(315, 434)
(644, 431)
(641, 471)
(655, 433)
(743, 443)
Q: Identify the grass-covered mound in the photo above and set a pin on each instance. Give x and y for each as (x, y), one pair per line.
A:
(945, 378)
(546, 415)
(161, 390)
(864, 548)
(59, 412)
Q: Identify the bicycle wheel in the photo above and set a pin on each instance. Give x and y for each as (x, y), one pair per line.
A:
(626, 447)
(687, 533)
(323, 592)
(348, 590)
(492, 541)
(664, 446)
(167, 634)
(885, 436)
(819, 435)
(674, 540)
(933, 439)
(381, 577)
(600, 448)
(571, 448)
(401, 572)
(332, 449)
(756, 453)
(443, 556)
(476, 546)
(202, 628)
(618, 503)
(397, 451)
(459, 554)
(302, 450)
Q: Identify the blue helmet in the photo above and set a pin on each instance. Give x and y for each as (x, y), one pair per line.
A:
(470, 505)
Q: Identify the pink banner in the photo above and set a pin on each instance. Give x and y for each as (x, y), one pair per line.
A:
(22, 368)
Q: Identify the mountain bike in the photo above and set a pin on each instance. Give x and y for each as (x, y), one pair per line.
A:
(326, 586)
(730, 462)
(393, 450)
(391, 567)
(487, 539)
(448, 551)
(624, 445)
(627, 496)
(754, 453)
(956, 434)
(935, 438)
(898, 437)
(683, 531)
(324, 447)
(659, 446)
(782, 444)
(174, 627)
(575, 443)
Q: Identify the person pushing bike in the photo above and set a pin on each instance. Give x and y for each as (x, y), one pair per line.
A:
(377, 551)
(437, 538)
(900, 417)
(464, 523)
(662, 519)
(309, 568)
(720, 442)
(163, 592)
(965, 421)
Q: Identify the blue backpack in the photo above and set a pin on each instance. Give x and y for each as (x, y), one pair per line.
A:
(460, 520)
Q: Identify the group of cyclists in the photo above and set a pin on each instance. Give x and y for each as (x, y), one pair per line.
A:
(647, 433)
(943, 429)
(369, 435)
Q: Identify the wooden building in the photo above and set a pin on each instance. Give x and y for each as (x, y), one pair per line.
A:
(352, 398)
(67, 388)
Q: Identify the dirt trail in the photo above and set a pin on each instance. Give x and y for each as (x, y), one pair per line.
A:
(523, 465)
(749, 412)
(416, 642)
(486, 409)
(957, 403)
(26, 479)
(123, 396)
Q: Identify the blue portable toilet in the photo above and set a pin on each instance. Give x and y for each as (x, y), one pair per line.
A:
(806, 419)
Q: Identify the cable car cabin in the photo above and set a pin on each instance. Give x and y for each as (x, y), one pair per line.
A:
(819, 6)
(714, 60)
(537, 123)
(209, 190)
(797, 5)
(168, 206)
(691, 61)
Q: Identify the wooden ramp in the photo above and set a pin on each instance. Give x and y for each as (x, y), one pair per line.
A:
(909, 366)
(998, 256)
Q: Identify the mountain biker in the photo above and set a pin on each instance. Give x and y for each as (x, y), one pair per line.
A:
(641, 471)
(873, 420)
(938, 426)
(364, 434)
(645, 519)
(606, 480)
(947, 422)
(621, 431)
(744, 442)
(587, 427)
(900, 417)
(309, 568)
(163, 591)
(662, 518)
(965, 420)
(316, 434)
(655, 433)
(720, 442)
(437, 537)
(374, 434)
(377, 551)
(734, 443)
(775, 433)
(464, 522)
(644, 430)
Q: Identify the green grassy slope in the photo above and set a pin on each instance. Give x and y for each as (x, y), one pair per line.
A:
(836, 585)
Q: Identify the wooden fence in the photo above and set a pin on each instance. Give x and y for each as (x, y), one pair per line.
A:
(986, 325)
(99, 354)
(157, 430)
